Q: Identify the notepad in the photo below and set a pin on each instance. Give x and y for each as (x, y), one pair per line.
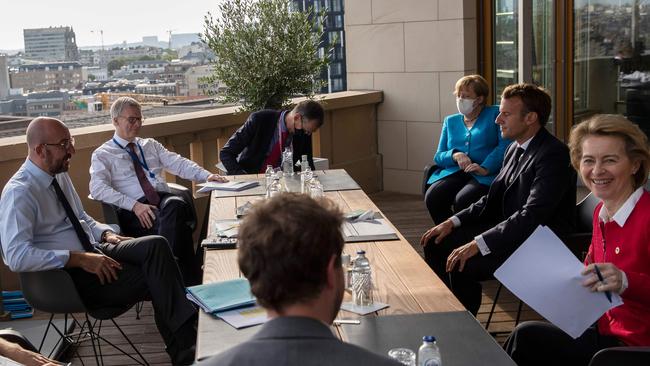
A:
(227, 228)
(368, 230)
(221, 296)
(234, 186)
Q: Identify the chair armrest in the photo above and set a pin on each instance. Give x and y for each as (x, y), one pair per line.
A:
(614, 356)
(186, 195)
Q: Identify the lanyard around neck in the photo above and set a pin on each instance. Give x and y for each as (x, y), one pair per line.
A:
(134, 157)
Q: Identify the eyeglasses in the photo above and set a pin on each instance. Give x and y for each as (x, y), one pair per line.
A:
(65, 145)
(133, 120)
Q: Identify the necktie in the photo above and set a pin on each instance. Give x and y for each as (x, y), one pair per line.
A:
(515, 164)
(81, 234)
(149, 192)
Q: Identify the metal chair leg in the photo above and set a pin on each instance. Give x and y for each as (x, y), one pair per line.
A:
(494, 304)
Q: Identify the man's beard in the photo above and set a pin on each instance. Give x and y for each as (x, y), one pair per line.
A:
(61, 166)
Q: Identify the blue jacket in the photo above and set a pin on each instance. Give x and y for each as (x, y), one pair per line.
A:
(482, 143)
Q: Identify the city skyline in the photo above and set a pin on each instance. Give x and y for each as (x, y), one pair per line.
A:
(146, 17)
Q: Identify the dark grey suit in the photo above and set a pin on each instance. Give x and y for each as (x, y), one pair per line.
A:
(541, 191)
(296, 341)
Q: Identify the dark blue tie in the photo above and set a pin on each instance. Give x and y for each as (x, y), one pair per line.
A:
(81, 234)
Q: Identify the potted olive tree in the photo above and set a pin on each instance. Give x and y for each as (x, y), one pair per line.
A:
(266, 53)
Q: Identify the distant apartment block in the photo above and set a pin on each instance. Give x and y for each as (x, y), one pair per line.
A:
(146, 67)
(51, 76)
(4, 77)
(166, 89)
(179, 40)
(195, 78)
(51, 44)
(334, 35)
(133, 53)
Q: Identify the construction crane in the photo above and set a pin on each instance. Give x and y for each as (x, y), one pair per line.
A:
(101, 36)
(169, 32)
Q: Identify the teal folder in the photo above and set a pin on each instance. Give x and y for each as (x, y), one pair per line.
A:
(221, 296)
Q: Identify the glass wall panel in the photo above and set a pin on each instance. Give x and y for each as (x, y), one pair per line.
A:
(611, 63)
(505, 46)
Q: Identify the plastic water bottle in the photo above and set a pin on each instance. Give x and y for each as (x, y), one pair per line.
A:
(268, 174)
(361, 280)
(274, 188)
(287, 162)
(306, 176)
(429, 353)
(315, 188)
(304, 163)
(345, 263)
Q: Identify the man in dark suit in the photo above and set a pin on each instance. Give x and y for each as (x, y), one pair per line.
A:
(295, 273)
(265, 134)
(536, 186)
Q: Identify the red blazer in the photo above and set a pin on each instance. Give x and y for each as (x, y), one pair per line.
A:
(628, 247)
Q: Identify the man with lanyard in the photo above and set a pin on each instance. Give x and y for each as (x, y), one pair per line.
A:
(265, 134)
(129, 172)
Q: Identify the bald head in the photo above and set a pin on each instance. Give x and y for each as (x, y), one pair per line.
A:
(43, 129)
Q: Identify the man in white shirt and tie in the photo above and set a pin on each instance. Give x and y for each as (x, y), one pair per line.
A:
(129, 172)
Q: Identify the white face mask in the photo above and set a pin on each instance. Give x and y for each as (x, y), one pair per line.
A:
(465, 106)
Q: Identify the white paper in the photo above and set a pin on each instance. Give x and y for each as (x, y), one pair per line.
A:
(546, 275)
(227, 228)
(227, 186)
(363, 310)
(244, 317)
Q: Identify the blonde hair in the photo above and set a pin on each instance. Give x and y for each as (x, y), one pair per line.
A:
(475, 82)
(613, 125)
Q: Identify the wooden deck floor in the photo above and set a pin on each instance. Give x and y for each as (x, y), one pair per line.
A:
(409, 215)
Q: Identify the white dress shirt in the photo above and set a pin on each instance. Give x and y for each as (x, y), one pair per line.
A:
(35, 231)
(480, 242)
(112, 175)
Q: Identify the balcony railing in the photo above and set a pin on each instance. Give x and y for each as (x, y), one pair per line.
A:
(348, 139)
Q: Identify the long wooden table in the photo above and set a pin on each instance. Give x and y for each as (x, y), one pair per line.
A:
(401, 278)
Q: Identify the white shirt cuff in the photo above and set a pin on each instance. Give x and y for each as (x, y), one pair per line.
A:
(482, 246)
(624, 282)
(455, 220)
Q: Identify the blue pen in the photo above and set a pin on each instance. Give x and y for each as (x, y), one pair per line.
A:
(601, 279)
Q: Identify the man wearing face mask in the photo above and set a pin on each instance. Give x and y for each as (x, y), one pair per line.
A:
(265, 134)
(470, 151)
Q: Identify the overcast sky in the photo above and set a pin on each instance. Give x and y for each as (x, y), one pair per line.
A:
(121, 20)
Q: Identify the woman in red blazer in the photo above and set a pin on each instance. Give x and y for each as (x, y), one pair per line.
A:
(611, 154)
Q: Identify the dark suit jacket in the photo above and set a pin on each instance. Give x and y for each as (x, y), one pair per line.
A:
(542, 193)
(290, 341)
(245, 151)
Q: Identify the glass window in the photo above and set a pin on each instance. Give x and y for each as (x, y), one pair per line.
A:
(505, 48)
(611, 63)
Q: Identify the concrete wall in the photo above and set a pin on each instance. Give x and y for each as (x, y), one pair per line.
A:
(414, 51)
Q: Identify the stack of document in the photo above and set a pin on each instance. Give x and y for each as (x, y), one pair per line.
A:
(231, 301)
(16, 305)
(221, 296)
(235, 186)
(368, 230)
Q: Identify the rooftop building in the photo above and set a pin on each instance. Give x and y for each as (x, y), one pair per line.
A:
(50, 76)
(51, 44)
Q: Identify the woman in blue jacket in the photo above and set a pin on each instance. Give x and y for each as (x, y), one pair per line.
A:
(470, 152)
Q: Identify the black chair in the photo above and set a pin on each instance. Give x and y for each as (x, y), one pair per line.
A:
(617, 356)
(428, 170)
(111, 217)
(577, 242)
(54, 292)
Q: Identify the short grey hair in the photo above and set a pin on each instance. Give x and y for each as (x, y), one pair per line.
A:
(120, 103)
